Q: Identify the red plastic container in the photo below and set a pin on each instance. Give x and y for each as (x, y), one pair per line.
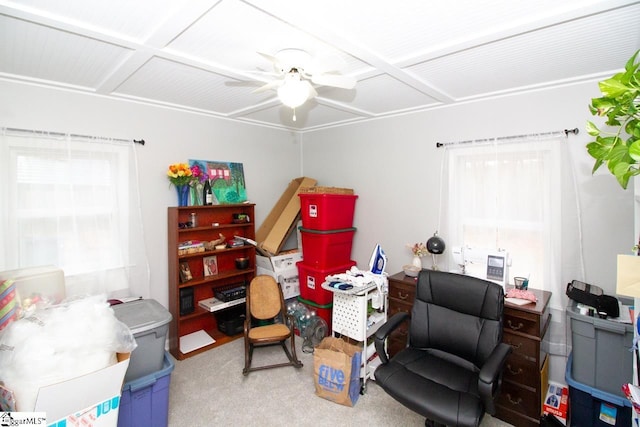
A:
(326, 249)
(327, 211)
(311, 280)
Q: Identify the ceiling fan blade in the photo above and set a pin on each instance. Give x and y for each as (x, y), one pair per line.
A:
(277, 64)
(335, 80)
(271, 85)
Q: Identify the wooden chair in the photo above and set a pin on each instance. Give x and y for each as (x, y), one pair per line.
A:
(267, 323)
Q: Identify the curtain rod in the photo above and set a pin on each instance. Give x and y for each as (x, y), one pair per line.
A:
(506, 138)
(72, 135)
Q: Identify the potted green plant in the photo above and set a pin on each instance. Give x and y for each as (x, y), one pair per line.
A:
(620, 104)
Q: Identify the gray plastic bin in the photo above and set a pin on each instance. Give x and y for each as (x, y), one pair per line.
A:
(601, 351)
(149, 321)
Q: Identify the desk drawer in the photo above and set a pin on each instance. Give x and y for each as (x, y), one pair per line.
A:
(402, 292)
(400, 335)
(521, 324)
(519, 399)
(522, 371)
(522, 346)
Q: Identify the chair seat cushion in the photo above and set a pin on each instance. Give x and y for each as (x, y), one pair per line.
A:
(276, 332)
(434, 385)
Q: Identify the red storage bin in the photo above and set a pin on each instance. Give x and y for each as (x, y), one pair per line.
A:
(326, 249)
(327, 211)
(311, 280)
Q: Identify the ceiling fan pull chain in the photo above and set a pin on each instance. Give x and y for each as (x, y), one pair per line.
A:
(294, 114)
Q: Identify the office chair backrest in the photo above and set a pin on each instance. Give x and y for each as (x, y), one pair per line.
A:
(463, 314)
(265, 299)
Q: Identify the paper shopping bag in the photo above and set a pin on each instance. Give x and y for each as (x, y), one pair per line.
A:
(336, 367)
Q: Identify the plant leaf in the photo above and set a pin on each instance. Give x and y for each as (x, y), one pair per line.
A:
(592, 129)
(634, 150)
(621, 172)
(613, 87)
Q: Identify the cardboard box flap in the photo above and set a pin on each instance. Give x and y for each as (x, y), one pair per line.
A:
(282, 219)
(68, 397)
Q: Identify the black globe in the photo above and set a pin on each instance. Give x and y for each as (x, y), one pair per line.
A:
(435, 245)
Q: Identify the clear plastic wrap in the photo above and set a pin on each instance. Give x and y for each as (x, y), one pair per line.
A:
(58, 343)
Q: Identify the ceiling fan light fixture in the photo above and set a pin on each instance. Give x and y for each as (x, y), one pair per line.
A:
(294, 92)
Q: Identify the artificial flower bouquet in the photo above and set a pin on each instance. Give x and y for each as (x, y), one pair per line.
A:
(418, 249)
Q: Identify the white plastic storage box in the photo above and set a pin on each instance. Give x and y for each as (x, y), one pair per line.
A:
(149, 323)
(600, 350)
(145, 401)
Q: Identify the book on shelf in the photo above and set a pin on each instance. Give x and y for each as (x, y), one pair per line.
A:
(190, 247)
(214, 304)
(190, 244)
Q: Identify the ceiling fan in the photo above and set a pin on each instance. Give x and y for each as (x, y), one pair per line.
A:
(295, 70)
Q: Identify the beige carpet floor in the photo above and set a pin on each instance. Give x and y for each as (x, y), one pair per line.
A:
(210, 390)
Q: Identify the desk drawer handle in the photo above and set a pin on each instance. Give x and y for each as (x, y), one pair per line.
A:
(512, 372)
(515, 328)
(517, 346)
(402, 296)
(514, 402)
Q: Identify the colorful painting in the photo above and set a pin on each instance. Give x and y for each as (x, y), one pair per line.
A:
(227, 180)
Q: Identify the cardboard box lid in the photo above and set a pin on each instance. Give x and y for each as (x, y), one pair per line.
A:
(282, 219)
(67, 397)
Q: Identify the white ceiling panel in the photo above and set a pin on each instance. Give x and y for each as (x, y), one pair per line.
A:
(201, 55)
(134, 19)
(545, 56)
(178, 84)
(43, 53)
(383, 93)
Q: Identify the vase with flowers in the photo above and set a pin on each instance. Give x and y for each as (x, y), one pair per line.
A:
(418, 250)
(180, 175)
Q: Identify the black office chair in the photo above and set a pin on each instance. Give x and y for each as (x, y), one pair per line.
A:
(451, 370)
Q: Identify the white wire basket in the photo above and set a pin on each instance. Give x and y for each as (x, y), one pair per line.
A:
(350, 315)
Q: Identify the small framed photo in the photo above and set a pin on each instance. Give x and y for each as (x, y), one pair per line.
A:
(210, 265)
(185, 272)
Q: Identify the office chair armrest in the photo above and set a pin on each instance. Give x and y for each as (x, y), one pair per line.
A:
(490, 377)
(384, 331)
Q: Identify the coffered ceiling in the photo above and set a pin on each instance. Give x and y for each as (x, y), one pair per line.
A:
(410, 55)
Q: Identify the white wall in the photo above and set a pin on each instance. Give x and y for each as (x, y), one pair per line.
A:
(392, 164)
(395, 168)
(271, 157)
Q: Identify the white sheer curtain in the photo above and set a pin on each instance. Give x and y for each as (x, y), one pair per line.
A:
(508, 194)
(72, 201)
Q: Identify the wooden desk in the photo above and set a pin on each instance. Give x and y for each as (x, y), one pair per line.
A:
(526, 372)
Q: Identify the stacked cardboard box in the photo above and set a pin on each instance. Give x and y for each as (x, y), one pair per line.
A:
(277, 229)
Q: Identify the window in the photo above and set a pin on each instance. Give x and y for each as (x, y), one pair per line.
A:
(507, 196)
(71, 202)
